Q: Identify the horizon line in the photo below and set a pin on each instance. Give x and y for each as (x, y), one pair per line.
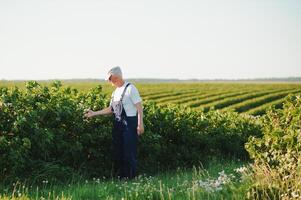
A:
(163, 79)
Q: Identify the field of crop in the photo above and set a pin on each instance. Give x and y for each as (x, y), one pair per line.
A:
(49, 151)
(249, 98)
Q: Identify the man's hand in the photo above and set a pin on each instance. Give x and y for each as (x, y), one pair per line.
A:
(140, 129)
(89, 114)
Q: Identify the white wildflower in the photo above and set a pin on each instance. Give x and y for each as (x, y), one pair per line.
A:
(241, 169)
(295, 194)
(211, 185)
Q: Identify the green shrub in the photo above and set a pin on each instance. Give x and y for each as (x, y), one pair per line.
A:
(277, 154)
(45, 125)
(43, 134)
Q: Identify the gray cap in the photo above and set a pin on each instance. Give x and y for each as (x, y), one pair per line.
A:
(114, 71)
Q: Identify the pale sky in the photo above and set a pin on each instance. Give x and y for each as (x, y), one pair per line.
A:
(203, 39)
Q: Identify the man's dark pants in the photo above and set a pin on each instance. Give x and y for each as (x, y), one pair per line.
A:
(125, 141)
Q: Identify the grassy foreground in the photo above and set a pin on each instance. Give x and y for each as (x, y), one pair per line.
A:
(220, 180)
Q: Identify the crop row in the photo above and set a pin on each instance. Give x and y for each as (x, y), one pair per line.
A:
(252, 103)
(226, 102)
(260, 110)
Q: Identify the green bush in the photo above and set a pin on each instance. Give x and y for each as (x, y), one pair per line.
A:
(43, 134)
(277, 154)
(180, 136)
(45, 125)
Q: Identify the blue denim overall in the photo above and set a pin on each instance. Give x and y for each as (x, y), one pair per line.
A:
(125, 139)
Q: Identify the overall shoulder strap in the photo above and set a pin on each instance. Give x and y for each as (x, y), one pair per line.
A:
(124, 91)
(112, 97)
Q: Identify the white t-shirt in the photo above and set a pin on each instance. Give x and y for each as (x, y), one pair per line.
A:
(130, 98)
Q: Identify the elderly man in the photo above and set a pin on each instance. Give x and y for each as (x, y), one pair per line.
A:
(126, 107)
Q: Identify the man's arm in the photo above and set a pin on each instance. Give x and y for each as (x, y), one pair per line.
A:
(140, 127)
(105, 111)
